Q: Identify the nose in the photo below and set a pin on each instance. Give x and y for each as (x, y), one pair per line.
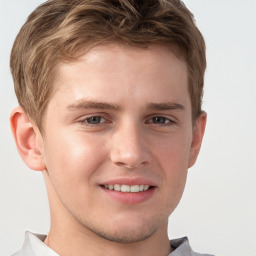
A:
(129, 147)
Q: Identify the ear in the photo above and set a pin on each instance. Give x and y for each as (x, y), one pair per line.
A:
(28, 139)
(198, 133)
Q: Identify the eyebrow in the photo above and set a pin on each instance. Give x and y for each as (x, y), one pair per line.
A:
(88, 104)
(165, 106)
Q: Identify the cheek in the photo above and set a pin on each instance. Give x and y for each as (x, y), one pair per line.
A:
(173, 157)
(71, 160)
(175, 175)
(175, 166)
(173, 152)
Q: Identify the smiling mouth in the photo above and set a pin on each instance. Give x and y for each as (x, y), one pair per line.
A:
(127, 188)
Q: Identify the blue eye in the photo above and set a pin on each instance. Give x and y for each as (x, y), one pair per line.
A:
(94, 120)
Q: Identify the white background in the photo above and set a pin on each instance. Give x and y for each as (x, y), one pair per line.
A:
(218, 209)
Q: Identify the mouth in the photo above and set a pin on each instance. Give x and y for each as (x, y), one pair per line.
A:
(129, 194)
(128, 188)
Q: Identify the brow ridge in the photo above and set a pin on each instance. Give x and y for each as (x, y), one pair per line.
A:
(165, 106)
(88, 104)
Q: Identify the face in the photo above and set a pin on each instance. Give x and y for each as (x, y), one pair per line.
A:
(119, 120)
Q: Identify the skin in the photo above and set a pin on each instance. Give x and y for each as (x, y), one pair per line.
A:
(142, 129)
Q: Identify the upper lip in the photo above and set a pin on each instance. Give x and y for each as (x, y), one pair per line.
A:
(129, 181)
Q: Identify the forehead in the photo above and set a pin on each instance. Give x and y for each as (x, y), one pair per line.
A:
(107, 70)
(122, 58)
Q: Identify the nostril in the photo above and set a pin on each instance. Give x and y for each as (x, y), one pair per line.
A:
(131, 166)
(120, 164)
(125, 165)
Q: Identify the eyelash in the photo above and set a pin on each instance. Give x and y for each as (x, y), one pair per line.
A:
(85, 121)
(167, 121)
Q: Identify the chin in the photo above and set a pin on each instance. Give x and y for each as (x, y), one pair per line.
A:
(126, 230)
(126, 235)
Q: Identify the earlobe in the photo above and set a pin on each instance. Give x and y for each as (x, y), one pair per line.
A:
(27, 138)
(198, 134)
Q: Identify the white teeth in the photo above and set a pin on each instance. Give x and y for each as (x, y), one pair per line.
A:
(127, 188)
(146, 187)
(135, 188)
(110, 187)
(117, 187)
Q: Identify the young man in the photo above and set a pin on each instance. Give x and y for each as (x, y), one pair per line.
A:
(110, 111)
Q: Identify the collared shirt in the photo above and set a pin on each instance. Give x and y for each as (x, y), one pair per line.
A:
(34, 246)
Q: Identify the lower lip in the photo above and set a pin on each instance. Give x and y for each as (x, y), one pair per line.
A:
(130, 197)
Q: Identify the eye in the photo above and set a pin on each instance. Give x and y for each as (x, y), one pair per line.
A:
(94, 120)
(161, 120)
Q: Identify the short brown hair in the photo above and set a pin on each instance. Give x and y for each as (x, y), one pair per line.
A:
(60, 30)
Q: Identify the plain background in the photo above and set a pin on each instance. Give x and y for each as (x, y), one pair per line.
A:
(218, 208)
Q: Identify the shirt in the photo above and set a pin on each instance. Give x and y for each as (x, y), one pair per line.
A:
(34, 246)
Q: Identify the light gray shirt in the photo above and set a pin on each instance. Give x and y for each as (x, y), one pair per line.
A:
(34, 246)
